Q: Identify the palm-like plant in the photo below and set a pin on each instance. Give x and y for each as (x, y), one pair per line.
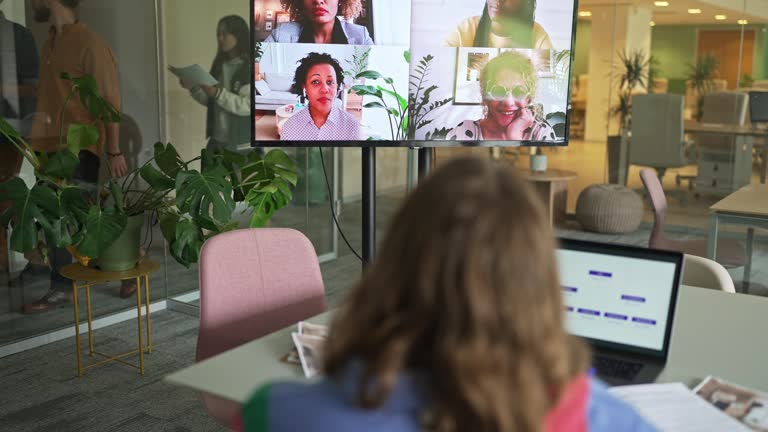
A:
(701, 78)
(634, 76)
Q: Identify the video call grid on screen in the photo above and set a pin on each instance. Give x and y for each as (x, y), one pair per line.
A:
(438, 72)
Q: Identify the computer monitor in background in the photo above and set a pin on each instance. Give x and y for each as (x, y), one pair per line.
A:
(758, 107)
(413, 72)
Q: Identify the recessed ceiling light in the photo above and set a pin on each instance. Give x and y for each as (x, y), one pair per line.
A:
(721, 17)
(694, 11)
(661, 3)
(742, 22)
(653, 23)
(585, 14)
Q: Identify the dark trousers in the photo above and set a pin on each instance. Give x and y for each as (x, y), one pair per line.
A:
(87, 177)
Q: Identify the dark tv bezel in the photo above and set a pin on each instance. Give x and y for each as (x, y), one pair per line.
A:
(639, 253)
(413, 143)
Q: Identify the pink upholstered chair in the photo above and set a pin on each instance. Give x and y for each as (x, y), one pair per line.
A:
(252, 283)
(730, 253)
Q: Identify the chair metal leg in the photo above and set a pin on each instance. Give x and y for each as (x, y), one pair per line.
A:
(90, 319)
(149, 318)
(138, 310)
(77, 328)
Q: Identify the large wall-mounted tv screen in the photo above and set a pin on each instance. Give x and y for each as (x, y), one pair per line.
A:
(412, 72)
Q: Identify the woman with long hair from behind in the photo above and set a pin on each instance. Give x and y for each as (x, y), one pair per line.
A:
(503, 24)
(457, 326)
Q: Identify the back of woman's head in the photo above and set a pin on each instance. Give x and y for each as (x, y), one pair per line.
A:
(465, 288)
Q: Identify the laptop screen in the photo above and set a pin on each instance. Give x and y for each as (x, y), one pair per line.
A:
(618, 296)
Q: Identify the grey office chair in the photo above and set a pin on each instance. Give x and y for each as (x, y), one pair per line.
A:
(657, 133)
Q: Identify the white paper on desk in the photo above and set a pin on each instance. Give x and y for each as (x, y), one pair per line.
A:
(675, 408)
(194, 75)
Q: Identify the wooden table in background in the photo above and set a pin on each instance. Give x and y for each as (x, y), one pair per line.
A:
(91, 276)
(552, 185)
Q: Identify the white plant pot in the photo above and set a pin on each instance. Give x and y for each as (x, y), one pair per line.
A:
(538, 163)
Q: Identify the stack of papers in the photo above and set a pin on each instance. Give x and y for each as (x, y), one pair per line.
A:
(194, 75)
(675, 408)
(308, 350)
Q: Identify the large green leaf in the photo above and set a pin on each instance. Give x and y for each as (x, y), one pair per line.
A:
(22, 215)
(188, 241)
(156, 179)
(80, 137)
(369, 74)
(168, 159)
(73, 202)
(283, 165)
(102, 228)
(205, 196)
(62, 165)
(117, 195)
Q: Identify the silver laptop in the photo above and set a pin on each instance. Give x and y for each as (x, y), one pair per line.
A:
(622, 301)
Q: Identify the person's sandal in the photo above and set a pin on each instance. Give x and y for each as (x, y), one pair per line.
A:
(50, 301)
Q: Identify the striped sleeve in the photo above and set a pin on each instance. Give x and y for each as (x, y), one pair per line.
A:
(255, 414)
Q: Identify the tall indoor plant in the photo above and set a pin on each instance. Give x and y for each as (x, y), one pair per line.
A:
(701, 77)
(634, 76)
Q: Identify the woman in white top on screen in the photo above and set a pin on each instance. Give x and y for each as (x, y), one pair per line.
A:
(315, 21)
(509, 84)
(317, 81)
(504, 24)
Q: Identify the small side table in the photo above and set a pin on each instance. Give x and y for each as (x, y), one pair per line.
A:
(552, 186)
(92, 276)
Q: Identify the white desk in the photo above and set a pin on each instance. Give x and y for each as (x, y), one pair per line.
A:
(715, 333)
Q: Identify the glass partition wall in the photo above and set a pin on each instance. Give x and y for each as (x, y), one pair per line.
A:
(147, 37)
(702, 58)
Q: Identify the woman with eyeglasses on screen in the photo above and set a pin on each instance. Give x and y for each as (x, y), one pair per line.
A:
(508, 84)
(315, 21)
(457, 326)
(503, 24)
(319, 81)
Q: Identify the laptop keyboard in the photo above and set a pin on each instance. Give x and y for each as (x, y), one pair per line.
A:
(611, 367)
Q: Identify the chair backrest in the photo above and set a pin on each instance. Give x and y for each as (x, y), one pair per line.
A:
(657, 131)
(254, 282)
(704, 273)
(655, 193)
(722, 108)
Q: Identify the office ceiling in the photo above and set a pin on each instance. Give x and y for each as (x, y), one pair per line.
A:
(677, 11)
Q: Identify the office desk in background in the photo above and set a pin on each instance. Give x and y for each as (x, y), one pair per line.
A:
(735, 170)
(748, 207)
(715, 333)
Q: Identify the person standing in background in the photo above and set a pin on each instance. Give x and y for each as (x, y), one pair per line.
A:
(19, 67)
(229, 103)
(73, 48)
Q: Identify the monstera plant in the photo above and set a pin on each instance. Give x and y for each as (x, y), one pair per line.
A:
(191, 205)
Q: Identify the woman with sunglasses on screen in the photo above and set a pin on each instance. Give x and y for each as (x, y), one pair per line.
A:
(315, 21)
(503, 24)
(508, 84)
(457, 326)
(319, 81)
(229, 102)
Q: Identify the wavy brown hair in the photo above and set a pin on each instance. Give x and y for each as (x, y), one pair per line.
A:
(466, 289)
(349, 9)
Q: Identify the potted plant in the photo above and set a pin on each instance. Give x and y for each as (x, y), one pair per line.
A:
(701, 77)
(634, 77)
(357, 65)
(200, 204)
(258, 53)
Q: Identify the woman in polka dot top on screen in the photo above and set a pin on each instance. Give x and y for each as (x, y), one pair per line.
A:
(318, 81)
(508, 84)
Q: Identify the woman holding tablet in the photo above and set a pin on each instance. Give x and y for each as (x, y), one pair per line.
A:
(319, 82)
(503, 24)
(315, 21)
(457, 326)
(508, 84)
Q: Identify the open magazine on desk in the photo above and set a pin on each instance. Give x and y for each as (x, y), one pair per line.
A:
(308, 343)
(748, 406)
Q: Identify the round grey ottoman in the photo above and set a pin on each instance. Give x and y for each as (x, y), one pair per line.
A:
(609, 209)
